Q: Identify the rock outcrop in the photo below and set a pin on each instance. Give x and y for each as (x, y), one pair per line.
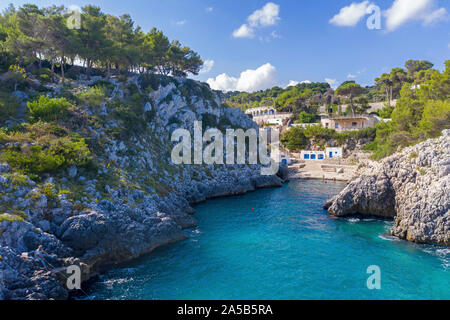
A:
(138, 200)
(412, 186)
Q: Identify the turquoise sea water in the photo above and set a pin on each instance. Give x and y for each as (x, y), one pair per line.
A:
(287, 247)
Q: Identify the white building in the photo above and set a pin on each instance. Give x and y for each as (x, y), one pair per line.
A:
(261, 111)
(312, 155)
(329, 153)
(349, 123)
(303, 125)
(332, 153)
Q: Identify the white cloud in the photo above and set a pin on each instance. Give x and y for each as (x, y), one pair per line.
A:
(181, 23)
(293, 83)
(250, 80)
(435, 16)
(351, 76)
(332, 82)
(275, 35)
(209, 9)
(244, 32)
(264, 17)
(267, 16)
(406, 10)
(223, 82)
(350, 15)
(207, 66)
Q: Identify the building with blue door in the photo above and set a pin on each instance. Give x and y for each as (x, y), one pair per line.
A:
(334, 153)
(329, 153)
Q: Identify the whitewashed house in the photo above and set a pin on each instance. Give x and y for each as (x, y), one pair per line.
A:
(312, 155)
(329, 153)
(334, 153)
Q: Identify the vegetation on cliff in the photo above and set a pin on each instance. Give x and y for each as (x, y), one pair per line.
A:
(422, 111)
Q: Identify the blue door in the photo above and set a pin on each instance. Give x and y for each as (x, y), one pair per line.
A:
(331, 154)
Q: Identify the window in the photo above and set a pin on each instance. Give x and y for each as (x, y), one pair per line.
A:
(321, 156)
(313, 157)
(336, 125)
(327, 124)
(354, 124)
(306, 156)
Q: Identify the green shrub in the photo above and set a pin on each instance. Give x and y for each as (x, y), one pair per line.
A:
(306, 117)
(57, 155)
(319, 132)
(47, 109)
(108, 86)
(44, 74)
(94, 97)
(131, 114)
(435, 118)
(386, 112)
(10, 218)
(152, 81)
(16, 78)
(371, 146)
(294, 139)
(44, 78)
(366, 133)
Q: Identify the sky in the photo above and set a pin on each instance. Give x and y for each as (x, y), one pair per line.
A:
(253, 45)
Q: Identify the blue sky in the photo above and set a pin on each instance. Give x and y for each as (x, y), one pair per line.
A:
(294, 40)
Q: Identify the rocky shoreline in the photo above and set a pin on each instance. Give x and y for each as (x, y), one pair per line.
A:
(412, 187)
(147, 206)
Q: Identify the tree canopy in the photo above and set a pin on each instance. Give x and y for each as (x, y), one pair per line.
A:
(422, 111)
(29, 34)
(350, 90)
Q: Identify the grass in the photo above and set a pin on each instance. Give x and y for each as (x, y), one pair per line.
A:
(94, 97)
(11, 218)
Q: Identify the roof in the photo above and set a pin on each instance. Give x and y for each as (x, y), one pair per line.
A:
(349, 117)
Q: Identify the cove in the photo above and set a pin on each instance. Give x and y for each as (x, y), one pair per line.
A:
(281, 244)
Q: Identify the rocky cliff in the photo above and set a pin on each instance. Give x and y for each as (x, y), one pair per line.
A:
(412, 186)
(131, 201)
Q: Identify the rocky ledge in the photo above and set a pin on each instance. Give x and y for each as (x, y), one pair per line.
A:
(412, 186)
(135, 201)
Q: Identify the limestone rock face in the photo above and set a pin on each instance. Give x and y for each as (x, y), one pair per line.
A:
(412, 186)
(367, 195)
(145, 202)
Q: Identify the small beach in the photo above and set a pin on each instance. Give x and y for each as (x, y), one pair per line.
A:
(322, 169)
